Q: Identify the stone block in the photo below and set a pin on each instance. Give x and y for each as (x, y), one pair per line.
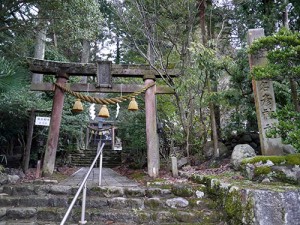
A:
(154, 203)
(134, 192)
(60, 190)
(20, 213)
(177, 202)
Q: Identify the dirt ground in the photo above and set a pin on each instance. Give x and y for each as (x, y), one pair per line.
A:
(139, 175)
(59, 174)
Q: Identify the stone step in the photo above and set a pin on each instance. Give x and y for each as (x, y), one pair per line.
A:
(43, 190)
(61, 201)
(98, 202)
(39, 204)
(103, 215)
(85, 158)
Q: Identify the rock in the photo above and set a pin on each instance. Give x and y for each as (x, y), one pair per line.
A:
(253, 145)
(3, 179)
(187, 168)
(181, 162)
(288, 149)
(208, 149)
(249, 171)
(268, 163)
(287, 174)
(234, 141)
(233, 188)
(246, 138)
(2, 212)
(13, 178)
(177, 202)
(255, 136)
(199, 194)
(239, 153)
(13, 171)
(266, 180)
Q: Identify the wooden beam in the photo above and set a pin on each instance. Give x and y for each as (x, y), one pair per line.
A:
(48, 67)
(116, 88)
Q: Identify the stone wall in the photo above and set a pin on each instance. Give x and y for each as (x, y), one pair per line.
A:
(250, 138)
(273, 205)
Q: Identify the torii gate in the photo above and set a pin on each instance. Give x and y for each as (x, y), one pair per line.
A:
(104, 70)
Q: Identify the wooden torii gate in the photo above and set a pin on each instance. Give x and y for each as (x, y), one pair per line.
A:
(104, 70)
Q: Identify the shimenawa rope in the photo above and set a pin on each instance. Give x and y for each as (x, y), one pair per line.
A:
(104, 101)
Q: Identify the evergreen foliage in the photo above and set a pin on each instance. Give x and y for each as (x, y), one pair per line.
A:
(283, 54)
(288, 127)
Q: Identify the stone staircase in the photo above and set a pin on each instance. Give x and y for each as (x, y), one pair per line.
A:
(85, 157)
(46, 204)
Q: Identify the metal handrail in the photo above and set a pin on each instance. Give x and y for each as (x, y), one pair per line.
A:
(83, 185)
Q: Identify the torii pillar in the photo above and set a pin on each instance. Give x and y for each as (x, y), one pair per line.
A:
(151, 128)
(53, 136)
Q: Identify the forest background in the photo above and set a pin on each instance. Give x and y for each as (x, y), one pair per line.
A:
(206, 40)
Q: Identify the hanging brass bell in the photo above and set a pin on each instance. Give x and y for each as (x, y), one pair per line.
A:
(77, 108)
(104, 112)
(133, 106)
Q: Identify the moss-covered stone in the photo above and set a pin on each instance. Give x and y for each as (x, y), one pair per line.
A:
(291, 159)
(262, 170)
(185, 217)
(143, 217)
(153, 203)
(182, 190)
(230, 204)
(282, 177)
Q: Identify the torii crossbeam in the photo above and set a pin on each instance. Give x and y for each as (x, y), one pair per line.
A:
(104, 71)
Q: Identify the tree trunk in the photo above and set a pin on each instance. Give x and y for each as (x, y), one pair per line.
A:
(118, 50)
(293, 84)
(202, 8)
(213, 123)
(39, 51)
(26, 157)
(216, 108)
(202, 20)
(85, 56)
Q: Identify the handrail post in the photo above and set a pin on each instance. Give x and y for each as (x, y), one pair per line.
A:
(83, 221)
(83, 184)
(100, 168)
